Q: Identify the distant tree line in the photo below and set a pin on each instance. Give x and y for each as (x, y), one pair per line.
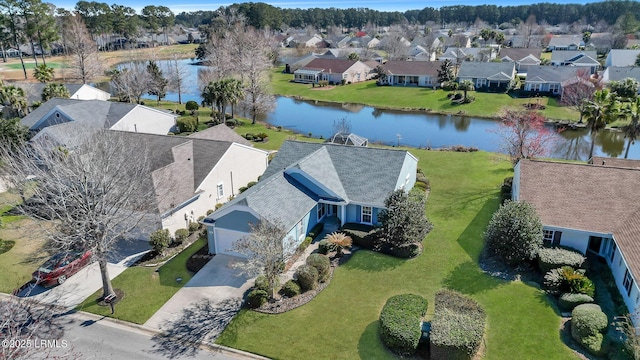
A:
(261, 15)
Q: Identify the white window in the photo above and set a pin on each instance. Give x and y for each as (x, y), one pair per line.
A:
(481, 82)
(321, 211)
(627, 282)
(220, 190)
(367, 213)
(612, 250)
(301, 233)
(547, 237)
(554, 88)
(535, 87)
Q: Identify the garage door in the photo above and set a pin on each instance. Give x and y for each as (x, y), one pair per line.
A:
(224, 241)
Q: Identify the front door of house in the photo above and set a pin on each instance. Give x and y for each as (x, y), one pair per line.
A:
(334, 210)
(594, 244)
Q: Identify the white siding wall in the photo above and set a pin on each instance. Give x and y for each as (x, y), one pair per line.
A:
(407, 177)
(575, 239)
(146, 120)
(618, 267)
(90, 93)
(241, 162)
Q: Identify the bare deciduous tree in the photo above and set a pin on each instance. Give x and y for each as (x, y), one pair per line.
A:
(576, 92)
(266, 249)
(92, 195)
(177, 73)
(85, 64)
(396, 49)
(26, 328)
(131, 82)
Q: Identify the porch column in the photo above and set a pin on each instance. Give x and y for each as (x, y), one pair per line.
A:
(343, 214)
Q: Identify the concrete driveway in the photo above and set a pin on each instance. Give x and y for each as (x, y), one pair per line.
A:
(88, 280)
(216, 282)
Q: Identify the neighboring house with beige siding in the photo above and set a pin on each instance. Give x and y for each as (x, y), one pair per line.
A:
(591, 208)
(334, 71)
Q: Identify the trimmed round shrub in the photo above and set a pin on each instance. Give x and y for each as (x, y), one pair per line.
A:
(181, 235)
(209, 212)
(194, 226)
(457, 326)
(325, 247)
(568, 301)
(257, 298)
(322, 264)
(514, 232)
(400, 319)
(307, 277)
(588, 323)
(187, 124)
(191, 106)
(290, 289)
(553, 258)
(160, 240)
(261, 283)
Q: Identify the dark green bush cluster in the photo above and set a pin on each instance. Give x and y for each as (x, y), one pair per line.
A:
(181, 235)
(325, 246)
(257, 298)
(261, 283)
(568, 280)
(191, 106)
(588, 324)
(322, 264)
(568, 301)
(290, 289)
(316, 230)
(187, 124)
(400, 319)
(245, 188)
(365, 236)
(457, 327)
(307, 277)
(256, 137)
(506, 189)
(160, 240)
(553, 258)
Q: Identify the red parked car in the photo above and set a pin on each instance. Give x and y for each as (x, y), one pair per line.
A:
(60, 266)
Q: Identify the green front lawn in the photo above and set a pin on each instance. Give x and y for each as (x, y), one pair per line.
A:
(342, 322)
(145, 289)
(395, 97)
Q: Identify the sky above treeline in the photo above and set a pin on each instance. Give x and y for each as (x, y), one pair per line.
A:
(178, 6)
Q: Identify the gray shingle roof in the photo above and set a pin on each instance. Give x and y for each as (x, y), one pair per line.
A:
(517, 54)
(331, 65)
(551, 74)
(622, 57)
(194, 168)
(486, 70)
(96, 112)
(574, 56)
(615, 73)
(357, 174)
(413, 67)
(221, 132)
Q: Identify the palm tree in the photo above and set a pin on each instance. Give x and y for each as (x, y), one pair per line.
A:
(599, 112)
(466, 85)
(54, 90)
(632, 130)
(43, 73)
(211, 95)
(234, 91)
(14, 100)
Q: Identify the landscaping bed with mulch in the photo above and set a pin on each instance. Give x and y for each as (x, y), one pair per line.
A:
(285, 304)
(198, 260)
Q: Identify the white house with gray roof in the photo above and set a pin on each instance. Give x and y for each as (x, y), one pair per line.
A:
(57, 118)
(549, 79)
(192, 175)
(585, 59)
(492, 76)
(306, 183)
(33, 92)
(622, 57)
(615, 73)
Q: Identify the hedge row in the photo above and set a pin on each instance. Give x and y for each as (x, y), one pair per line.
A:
(457, 327)
(316, 230)
(365, 236)
(400, 322)
(553, 258)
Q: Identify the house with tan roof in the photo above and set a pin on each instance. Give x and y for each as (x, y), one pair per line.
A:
(411, 73)
(602, 218)
(335, 71)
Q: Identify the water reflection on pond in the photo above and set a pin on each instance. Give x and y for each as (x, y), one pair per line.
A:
(417, 129)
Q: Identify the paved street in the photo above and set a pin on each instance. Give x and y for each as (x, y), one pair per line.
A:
(92, 337)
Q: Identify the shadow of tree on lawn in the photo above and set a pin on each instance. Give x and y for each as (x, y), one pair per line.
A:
(201, 322)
